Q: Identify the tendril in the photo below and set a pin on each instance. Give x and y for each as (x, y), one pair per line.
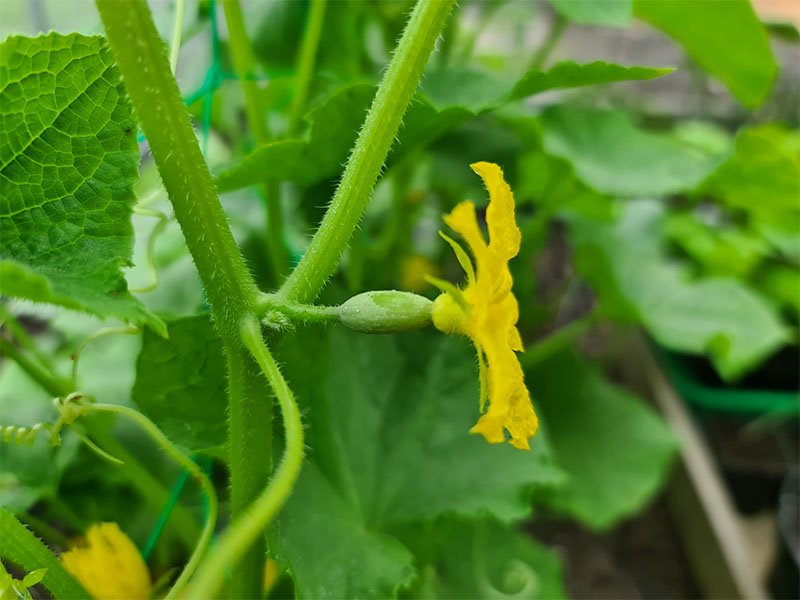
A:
(517, 575)
(129, 330)
(163, 220)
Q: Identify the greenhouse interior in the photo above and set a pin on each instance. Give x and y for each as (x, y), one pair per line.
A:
(418, 299)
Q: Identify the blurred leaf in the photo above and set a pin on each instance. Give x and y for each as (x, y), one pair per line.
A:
(482, 559)
(625, 266)
(763, 174)
(611, 13)
(718, 250)
(389, 433)
(783, 284)
(725, 37)
(614, 448)
(478, 91)
(613, 156)
(181, 383)
(449, 98)
(334, 126)
(69, 161)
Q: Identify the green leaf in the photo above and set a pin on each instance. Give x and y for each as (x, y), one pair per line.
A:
(68, 159)
(783, 284)
(615, 157)
(615, 450)
(478, 91)
(448, 98)
(624, 264)
(482, 559)
(725, 37)
(331, 551)
(33, 578)
(389, 422)
(25, 550)
(181, 383)
(611, 13)
(762, 175)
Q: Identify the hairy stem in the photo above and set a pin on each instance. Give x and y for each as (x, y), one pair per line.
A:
(305, 64)
(241, 534)
(370, 151)
(230, 288)
(308, 313)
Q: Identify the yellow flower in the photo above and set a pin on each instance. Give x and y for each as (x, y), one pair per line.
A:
(486, 311)
(109, 565)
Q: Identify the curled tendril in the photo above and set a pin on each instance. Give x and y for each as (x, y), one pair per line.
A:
(126, 329)
(517, 575)
(69, 409)
(163, 220)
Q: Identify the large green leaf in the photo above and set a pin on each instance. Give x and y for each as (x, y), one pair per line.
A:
(614, 449)
(68, 161)
(448, 98)
(725, 37)
(389, 421)
(612, 13)
(624, 263)
(181, 383)
(615, 157)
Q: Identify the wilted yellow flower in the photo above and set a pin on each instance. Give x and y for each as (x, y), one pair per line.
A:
(486, 310)
(109, 565)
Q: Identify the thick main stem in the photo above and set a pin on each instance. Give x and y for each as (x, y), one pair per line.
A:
(230, 288)
(241, 534)
(370, 151)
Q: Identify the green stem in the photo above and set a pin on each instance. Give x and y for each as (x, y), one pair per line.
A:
(229, 286)
(177, 32)
(44, 377)
(20, 333)
(52, 535)
(557, 29)
(245, 65)
(20, 547)
(370, 151)
(307, 313)
(557, 341)
(305, 64)
(155, 433)
(241, 534)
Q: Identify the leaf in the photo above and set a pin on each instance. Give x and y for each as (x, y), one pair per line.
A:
(448, 98)
(482, 559)
(611, 13)
(181, 383)
(615, 450)
(33, 578)
(762, 175)
(624, 264)
(68, 160)
(389, 422)
(725, 37)
(331, 550)
(613, 156)
(25, 550)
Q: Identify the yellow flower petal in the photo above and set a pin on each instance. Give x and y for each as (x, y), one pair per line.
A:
(490, 316)
(109, 565)
(504, 235)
